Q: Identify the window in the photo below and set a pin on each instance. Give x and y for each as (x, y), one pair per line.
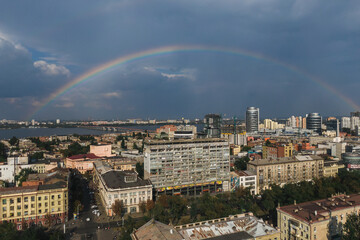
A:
(4, 215)
(4, 201)
(59, 196)
(39, 198)
(314, 229)
(39, 204)
(46, 204)
(52, 204)
(59, 203)
(33, 198)
(19, 200)
(26, 199)
(26, 206)
(32, 205)
(19, 214)
(19, 207)
(4, 209)
(46, 197)
(11, 201)
(39, 210)
(11, 208)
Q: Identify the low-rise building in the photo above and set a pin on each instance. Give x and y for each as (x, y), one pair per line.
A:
(331, 168)
(103, 150)
(240, 226)
(286, 170)
(320, 219)
(124, 186)
(82, 162)
(121, 163)
(245, 179)
(36, 204)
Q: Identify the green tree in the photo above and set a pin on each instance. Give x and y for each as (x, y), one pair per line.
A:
(23, 175)
(241, 163)
(37, 155)
(123, 145)
(14, 141)
(8, 231)
(140, 169)
(2, 152)
(351, 229)
(117, 207)
(75, 149)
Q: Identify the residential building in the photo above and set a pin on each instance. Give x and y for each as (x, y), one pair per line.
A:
(36, 204)
(331, 168)
(345, 122)
(319, 219)
(82, 162)
(286, 170)
(241, 226)
(124, 186)
(103, 150)
(278, 150)
(252, 119)
(187, 166)
(245, 179)
(212, 125)
(354, 122)
(121, 163)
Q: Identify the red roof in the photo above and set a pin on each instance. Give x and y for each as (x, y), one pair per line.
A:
(84, 156)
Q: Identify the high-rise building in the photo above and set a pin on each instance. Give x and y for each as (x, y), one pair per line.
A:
(313, 122)
(212, 125)
(57, 121)
(355, 114)
(345, 122)
(252, 119)
(187, 166)
(33, 122)
(354, 122)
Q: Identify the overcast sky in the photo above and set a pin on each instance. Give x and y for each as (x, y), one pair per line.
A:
(46, 44)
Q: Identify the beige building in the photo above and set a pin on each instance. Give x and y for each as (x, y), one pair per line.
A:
(121, 163)
(320, 219)
(37, 204)
(124, 186)
(331, 168)
(286, 170)
(103, 150)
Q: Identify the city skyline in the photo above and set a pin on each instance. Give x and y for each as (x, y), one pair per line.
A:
(133, 60)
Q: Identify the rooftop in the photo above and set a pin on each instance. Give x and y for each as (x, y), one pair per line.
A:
(84, 156)
(298, 158)
(226, 226)
(154, 230)
(181, 141)
(320, 210)
(118, 179)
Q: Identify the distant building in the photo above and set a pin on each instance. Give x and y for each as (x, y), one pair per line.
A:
(286, 170)
(252, 119)
(124, 186)
(345, 122)
(319, 219)
(81, 162)
(313, 122)
(212, 125)
(351, 160)
(101, 150)
(245, 179)
(57, 121)
(331, 168)
(187, 166)
(355, 114)
(354, 122)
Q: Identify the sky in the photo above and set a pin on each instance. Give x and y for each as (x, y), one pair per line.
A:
(45, 45)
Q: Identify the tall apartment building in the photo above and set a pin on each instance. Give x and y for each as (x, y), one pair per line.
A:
(320, 219)
(354, 122)
(212, 125)
(187, 166)
(252, 119)
(286, 170)
(36, 204)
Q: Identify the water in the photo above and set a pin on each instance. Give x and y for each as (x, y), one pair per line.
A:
(38, 132)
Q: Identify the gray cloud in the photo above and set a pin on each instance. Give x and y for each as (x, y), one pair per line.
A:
(320, 37)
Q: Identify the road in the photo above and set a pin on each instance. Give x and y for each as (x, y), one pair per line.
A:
(82, 229)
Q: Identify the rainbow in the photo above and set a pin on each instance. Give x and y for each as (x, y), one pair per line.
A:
(106, 67)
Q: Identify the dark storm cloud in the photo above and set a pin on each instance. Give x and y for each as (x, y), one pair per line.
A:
(319, 37)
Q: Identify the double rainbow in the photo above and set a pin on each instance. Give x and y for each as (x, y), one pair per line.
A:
(103, 68)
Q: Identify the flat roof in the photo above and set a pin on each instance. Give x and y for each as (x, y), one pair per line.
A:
(116, 179)
(320, 210)
(299, 158)
(180, 141)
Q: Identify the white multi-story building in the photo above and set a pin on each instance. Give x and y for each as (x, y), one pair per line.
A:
(354, 122)
(345, 122)
(187, 166)
(245, 179)
(124, 186)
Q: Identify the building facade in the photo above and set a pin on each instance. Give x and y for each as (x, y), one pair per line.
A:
(316, 220)
(124, 186)
(286, 170)
(252, 119)
(25, 206)
(313, 122)
(245, 179)
(187, 167)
